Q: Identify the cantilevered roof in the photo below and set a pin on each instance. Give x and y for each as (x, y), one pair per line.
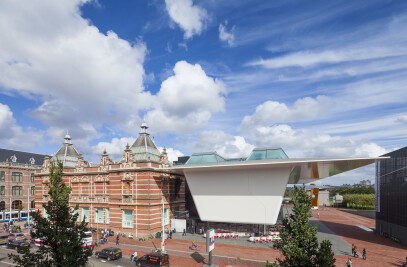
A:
(251, 191)
(303, 170)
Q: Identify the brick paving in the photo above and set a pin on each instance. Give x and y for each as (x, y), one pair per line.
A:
(380, 251)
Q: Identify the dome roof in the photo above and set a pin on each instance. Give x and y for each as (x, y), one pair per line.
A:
(144, 148)
(67, 154)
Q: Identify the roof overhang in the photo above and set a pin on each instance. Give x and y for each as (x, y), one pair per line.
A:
(252, 191)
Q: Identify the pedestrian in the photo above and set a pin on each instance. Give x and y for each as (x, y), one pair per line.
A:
(134, 256)
(349, 263)
(185, 232)
(364, 253)
(318, 214)
(170, 234)
(355, 252)
(117, 239)
(353, 249)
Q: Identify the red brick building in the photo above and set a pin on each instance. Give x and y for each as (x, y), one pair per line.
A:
(126, 196)
(17, 189)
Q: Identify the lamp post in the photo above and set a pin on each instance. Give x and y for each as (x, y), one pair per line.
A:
(97, 225)
(162, 222)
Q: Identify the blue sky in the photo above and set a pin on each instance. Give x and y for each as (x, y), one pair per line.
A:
(318, 78)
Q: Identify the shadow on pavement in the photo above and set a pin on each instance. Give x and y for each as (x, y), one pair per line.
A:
(198, 257)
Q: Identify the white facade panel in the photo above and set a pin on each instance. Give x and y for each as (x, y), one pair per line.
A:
(238, 196)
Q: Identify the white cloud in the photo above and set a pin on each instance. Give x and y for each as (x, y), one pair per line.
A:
(402, 118)
(172, 153)
(191, 18)
(115, 148)
(53, 54)
(303, 143)
(271, 112)
(14, 136)
(186, 100)
(226, 145)
(309, 58)
(226, 36)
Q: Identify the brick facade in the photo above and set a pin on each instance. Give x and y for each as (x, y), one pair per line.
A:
(139, 188)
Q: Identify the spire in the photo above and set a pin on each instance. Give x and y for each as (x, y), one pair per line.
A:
(144, 127)
(67, 138)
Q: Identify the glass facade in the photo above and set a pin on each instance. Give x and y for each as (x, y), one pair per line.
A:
(262, 154)
(391, 194)
(205, 158)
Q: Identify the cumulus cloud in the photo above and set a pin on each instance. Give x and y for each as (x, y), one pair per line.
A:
(172, 153)
(226, 145)
(271, 112)
(55, 55)
(224, 35)
(303, 143)
(186, 99)
(115, 148)
(191, 18)
(14, 136)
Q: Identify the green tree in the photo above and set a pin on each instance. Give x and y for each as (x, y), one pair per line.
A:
(59, 230)
(299, 243)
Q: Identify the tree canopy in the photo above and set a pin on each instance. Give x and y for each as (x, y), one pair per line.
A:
(60, 234)
(299, 243)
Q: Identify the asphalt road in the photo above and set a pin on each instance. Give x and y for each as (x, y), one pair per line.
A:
(93, 262)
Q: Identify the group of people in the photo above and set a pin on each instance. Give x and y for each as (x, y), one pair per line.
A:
(355, 252)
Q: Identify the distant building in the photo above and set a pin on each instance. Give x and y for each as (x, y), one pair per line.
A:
(391, 196)
(17, 183)
(133, 196)
(365, 182)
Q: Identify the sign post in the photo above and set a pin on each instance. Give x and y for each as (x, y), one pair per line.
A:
(210, 245)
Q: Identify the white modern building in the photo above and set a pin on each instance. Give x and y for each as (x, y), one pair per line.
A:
(251, 190)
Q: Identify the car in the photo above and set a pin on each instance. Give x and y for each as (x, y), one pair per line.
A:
(109, 253)
(17, 243)
(16, 236)
(3, 239)
(314, 208)
(155, 259)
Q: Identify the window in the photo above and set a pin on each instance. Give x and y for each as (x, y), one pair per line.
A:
(176, 212)
(16, 204)
(76, 212)
(2, 190)
(1, 175)
(2, 205)
(165, 216)
(33, 190)
(32, 178)
(45, 214)
(33, 204)
(17, 190)
(16, 176)
(85, 214)
(127, 219)
(107, 215)
(99, 215)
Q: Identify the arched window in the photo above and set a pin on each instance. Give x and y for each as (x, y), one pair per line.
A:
(2, 205)
(16, 204)
(33, 204)
(17, 191)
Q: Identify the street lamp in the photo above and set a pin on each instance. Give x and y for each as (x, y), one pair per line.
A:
(97, 225)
